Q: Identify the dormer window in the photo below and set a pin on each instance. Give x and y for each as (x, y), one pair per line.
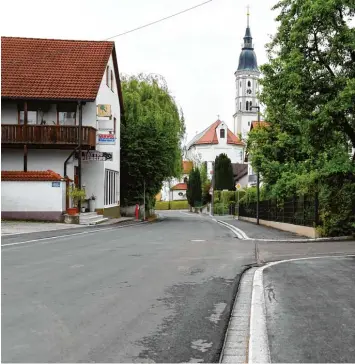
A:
(222, 133)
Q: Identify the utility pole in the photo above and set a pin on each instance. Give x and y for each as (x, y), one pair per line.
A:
(212, 198)
(144, 200)
(257, 176)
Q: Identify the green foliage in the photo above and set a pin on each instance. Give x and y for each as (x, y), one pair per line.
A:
(309, 92)
(194, 188)
(223, 173)
(172, 205)
(150, 137)
(206, 184)
(76, 194)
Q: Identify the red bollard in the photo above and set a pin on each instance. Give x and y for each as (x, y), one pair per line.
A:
(137, 212)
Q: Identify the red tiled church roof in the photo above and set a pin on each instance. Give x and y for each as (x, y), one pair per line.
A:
(52, 69)
(209, 136)
(255, 124)
(30, 176)
(180, 186)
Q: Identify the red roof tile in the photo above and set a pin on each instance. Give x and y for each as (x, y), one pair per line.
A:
(209, 136)
(52, 69)
(180, 186)
(30, 176)
(255, 124)
(187, 167)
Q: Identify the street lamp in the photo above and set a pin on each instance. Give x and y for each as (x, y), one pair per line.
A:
(257, 175)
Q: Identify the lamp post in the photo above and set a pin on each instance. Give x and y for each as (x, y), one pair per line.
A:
(257, 176)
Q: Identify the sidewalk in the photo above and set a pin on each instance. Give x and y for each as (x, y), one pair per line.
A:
(254, 231)
(25, 227)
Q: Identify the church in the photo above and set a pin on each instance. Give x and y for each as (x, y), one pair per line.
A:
(217, 138)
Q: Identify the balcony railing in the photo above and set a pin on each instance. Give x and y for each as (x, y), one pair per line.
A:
(47, 135)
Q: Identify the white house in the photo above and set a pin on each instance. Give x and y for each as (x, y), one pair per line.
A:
(53, 93)
(212, 142)
(175, 188)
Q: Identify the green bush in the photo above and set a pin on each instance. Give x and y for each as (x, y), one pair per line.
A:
(173, 205)
(179, 205)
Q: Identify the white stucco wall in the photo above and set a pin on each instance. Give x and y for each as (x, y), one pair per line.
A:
(32, 196)
(176, 197)
(37, 160)
(208, 153)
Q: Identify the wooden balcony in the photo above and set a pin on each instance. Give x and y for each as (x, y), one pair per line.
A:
(47, 136)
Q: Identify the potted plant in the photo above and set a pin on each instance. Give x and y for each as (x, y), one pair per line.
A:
(77, 195)
(92, 203)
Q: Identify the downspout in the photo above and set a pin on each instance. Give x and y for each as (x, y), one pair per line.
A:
(66, 176)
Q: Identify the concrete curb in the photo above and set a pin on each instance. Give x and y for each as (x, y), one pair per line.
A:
(235, 346)
(258, 341)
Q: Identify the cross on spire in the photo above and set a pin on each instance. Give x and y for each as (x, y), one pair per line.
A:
(218, 117)
(248, 14)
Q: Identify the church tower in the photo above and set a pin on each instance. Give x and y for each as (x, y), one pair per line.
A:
(247, 86)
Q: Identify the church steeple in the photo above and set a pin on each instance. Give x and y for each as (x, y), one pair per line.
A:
(247, 59)
(247, 85)
(248, 39)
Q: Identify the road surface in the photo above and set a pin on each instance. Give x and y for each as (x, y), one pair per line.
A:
(310, 310)
(159, 292)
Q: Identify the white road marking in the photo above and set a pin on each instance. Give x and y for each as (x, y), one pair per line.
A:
(197, 240)
(68, 235)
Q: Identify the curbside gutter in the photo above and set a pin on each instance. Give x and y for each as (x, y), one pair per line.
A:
(243, 236)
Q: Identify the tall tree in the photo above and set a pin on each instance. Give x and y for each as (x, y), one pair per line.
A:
(150, 137)
(205, 184)
(224, 179)
(309, 93)
(194, 188)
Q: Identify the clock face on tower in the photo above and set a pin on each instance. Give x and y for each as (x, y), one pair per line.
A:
(249, 91)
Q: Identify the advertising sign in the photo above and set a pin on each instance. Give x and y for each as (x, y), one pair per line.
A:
(95, 155)
(106, 138)
(104, 110)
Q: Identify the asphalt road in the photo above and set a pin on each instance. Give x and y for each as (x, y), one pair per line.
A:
(310, 310)
(159, 292)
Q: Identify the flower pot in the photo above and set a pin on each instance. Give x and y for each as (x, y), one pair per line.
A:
(92, 204)
(83, 209)
(72, 210)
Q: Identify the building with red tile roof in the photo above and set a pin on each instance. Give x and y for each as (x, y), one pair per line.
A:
(58, 96)
(213, 141)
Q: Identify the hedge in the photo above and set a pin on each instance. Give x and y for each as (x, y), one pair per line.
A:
(174, 205)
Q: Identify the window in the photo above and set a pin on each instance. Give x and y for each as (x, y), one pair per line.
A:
(32, 117)
(249, 84)
(248, 123)
(250, 105)
(66, 113)
(222, 133)
(108, 76)
(112, 84)
(114, 126)
(66, 118)
(185, 180)
(111, 187)
(240, 84)
(247, 105)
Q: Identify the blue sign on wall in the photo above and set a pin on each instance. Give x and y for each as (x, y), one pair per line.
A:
(55, 184)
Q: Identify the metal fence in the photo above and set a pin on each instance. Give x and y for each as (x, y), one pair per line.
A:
(296, 210)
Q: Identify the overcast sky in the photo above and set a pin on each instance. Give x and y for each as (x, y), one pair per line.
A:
(196, 52)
